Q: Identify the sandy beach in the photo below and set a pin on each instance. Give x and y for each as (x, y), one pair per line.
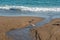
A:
(49, 31)
(11, 23)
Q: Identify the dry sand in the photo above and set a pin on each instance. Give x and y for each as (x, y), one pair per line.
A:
(11, 23)
(50, 31)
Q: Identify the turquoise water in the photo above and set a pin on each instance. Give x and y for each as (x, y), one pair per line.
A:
(40, 3)
(28, 7)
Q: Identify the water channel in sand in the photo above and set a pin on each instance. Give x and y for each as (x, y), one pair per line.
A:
(24, 34)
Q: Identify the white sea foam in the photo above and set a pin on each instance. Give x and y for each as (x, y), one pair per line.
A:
(23, 8)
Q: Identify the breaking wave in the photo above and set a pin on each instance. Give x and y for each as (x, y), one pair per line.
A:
(24, 8)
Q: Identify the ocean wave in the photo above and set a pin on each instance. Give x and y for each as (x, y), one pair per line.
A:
(24, 8)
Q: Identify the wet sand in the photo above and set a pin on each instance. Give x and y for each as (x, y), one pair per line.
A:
(49, 31)
(11, 23)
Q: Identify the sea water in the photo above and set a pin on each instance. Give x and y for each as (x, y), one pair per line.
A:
(29, 7)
